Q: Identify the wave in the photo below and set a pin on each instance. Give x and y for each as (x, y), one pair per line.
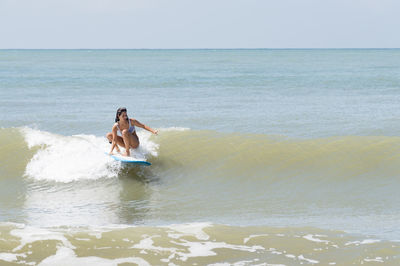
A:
(65, 158)
(193, 243)
(14, 153)
(347, 183)
(264, 156)
(48, 156)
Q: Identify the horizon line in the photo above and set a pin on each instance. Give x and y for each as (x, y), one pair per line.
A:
(315, 48)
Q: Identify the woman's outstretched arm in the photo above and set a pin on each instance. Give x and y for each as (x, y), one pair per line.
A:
(138, 124)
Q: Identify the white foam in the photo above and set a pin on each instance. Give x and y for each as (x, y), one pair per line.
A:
(82, 239)
(146, 147)
(252, 236)
(301, 257)
(174, 129)
(311, 237)
(243, 263)
(10, 257)
(205, 249)
(147, 244)
(194, 249)
(276, 252)
(31, 234)
(71, 158)
(377, 259)
(66, 256)
(192, 229)
(364, 242)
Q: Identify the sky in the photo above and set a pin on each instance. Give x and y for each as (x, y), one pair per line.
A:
(175, 24)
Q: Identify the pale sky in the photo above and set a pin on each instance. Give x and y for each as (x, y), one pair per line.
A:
(125, 24)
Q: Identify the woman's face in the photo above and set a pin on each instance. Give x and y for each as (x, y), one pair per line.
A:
(123, 116)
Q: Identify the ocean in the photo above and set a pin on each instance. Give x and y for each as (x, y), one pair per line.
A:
(263, 157)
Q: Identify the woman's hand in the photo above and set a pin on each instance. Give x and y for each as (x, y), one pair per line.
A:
(138, 124)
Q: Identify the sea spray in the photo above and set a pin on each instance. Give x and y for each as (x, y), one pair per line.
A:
(78, 157)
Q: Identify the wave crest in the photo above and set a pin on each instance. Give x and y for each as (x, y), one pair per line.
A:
(71, 158)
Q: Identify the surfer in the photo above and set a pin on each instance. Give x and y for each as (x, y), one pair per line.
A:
(123, 132)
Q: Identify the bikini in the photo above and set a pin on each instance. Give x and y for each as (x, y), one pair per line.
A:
(131, 128)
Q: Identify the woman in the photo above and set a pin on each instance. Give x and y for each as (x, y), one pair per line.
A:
(124, 133)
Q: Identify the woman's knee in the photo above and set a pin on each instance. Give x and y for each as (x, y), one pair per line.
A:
(125, 132)
(135, 143)
(109, 136)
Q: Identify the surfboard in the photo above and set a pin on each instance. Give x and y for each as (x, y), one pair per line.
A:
(128, 160)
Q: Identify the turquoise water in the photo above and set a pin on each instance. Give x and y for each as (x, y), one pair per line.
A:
(296, 93)
(277, 156)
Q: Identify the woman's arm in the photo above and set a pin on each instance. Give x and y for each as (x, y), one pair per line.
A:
(138, 124)
(114, 140)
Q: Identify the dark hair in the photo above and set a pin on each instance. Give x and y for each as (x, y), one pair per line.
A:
(119, 112)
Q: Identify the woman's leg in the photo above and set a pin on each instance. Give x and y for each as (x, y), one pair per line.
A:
(134, 140)
(120, 141)
(130, 140)
(127, 141)
(109, 137)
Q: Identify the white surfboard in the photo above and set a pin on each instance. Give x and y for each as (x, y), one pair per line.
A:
(129, 160)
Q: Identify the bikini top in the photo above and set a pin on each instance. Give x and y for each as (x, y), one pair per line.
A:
(131, 127)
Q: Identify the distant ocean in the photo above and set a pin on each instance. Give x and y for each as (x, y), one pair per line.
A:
(264, 157)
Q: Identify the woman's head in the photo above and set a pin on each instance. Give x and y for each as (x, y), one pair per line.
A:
(121, 114)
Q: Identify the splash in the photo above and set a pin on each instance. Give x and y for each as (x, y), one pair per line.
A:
(71, 158)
